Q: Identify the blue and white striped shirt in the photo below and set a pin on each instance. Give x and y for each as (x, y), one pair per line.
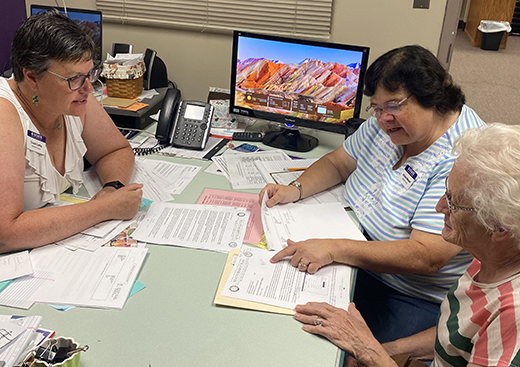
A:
(388, 210)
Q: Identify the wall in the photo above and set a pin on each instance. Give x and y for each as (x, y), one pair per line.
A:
(9, 23)
(198, 60)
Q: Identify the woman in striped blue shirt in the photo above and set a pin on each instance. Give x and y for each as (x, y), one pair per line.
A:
(394, 169)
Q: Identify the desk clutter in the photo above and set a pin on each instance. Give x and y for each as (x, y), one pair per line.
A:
(24, 344)
(99, 267)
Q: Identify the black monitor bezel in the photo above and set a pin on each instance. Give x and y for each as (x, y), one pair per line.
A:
(35, 8)
(284, 119)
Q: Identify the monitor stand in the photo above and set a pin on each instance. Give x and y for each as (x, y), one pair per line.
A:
(290, 139)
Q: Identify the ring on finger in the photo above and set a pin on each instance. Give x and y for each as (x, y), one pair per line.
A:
(302, 265)
(318, 321)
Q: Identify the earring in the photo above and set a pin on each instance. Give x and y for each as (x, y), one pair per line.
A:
(35, 100)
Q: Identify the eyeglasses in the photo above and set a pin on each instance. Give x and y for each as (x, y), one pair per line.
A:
(390, 107)
(454, 207)
(77, 81)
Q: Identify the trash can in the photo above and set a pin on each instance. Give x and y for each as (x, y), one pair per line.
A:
(492, 33)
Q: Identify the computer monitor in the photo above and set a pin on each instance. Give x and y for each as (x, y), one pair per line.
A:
(299, 83)
(89, 20)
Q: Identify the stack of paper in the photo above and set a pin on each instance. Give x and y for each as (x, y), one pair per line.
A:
(100, 234)
(100, 279)
(254, 280)
(240, 168)
(161, 179)
(207, 227)
(18, 336)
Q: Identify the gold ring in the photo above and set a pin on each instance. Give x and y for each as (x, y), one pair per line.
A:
(318, 321)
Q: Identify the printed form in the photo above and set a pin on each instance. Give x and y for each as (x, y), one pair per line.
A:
(100, 279)
(207, 227)
(302, 222)
(254, 278)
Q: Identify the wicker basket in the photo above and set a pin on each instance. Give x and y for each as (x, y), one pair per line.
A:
(124, 81)
(124, 88)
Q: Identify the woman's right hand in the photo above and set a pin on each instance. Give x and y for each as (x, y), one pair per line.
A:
(279, 194)
(123, 203)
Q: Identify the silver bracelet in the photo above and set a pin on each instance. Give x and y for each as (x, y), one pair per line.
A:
(298, 185)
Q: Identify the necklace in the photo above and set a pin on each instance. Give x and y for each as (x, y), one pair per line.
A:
(27, 109)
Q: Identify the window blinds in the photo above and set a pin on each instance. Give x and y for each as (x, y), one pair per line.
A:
(305, 18)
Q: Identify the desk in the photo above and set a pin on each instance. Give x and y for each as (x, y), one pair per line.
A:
(173, 321)
(137, 119)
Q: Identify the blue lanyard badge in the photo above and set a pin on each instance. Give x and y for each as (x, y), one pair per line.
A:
(408, 177)
(36, 142)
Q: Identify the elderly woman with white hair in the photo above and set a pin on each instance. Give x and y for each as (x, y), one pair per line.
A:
(479, 321)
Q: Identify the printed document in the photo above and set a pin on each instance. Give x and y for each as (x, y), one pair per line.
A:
(161, 179)
(15, 265)
(243, 173)
(303, 222)
(238, 199)
(254, 278)
(284, 172)
(207, 227)
(101, 279)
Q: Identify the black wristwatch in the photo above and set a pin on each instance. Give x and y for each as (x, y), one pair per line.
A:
(115, 184)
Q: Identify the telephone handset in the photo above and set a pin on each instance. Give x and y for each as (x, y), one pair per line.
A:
(183, 124)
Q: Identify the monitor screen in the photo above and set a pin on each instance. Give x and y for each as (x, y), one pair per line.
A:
(304, 83)
(89, 20)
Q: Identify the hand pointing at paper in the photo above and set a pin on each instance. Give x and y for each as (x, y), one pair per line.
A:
(309, 255)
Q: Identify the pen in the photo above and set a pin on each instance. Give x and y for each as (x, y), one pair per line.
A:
(296, 169)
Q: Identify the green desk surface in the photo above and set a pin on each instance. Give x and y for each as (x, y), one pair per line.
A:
(173, 321)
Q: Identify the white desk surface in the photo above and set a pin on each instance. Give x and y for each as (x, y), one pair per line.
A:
(173, 321)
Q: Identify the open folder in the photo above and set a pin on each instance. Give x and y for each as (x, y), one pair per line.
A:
(239, 303)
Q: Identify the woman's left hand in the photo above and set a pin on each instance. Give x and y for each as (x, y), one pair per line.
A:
(346, 329)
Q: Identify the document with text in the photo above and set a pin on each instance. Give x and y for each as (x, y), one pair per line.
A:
(238, 199)
(302, 222)
(254, 278)
(207, 227)
(15, 265)
(161, 179)
(243, 173)
(101, 279)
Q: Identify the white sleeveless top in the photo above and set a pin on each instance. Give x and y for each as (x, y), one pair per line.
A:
(43, 184)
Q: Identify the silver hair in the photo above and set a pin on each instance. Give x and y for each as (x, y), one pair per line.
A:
(491, 158)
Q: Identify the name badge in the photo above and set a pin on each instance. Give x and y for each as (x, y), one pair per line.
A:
(36, 142)
(408, 177)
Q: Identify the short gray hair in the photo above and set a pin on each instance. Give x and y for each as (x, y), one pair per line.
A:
(491, 157)
(47, 37)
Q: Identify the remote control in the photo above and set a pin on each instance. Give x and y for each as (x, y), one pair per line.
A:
(245, 136)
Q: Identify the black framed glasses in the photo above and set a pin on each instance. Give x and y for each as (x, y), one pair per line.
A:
(454, 207)
(77, 81)
(390, 107)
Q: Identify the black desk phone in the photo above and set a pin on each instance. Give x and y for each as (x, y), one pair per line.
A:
(183, 124)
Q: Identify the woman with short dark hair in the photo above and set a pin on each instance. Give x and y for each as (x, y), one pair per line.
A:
(49, 122)
(393, 168)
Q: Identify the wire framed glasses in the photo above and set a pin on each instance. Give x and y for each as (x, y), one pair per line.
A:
(77, 81)
(390, 107)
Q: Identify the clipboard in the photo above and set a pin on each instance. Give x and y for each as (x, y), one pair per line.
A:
(240, 303)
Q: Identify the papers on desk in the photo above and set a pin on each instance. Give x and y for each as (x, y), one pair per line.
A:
(207, 227)
(27, 337)
(302, 222)
(255, 279)
(100, 279)
(15, 265)
(241, 170)
(161, 179)
(238, 199)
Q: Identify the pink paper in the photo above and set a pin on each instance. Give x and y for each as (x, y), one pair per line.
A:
(242, 200)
